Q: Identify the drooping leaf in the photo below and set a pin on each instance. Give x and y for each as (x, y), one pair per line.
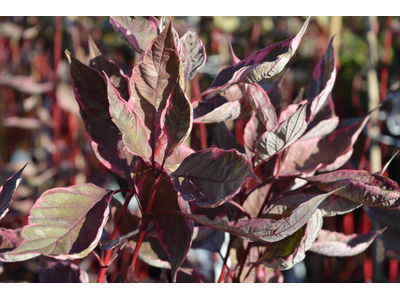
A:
(102, 64)
(361, 187)
(338, 245)
(178, 119)
(323, 154)
(152, 82)
(61, 272)
(331, 206)
(134, 135)
(64, 223)
(291, 250)
(260, 103)
(219, 109)
(267, 230)
(252, 132)
(90, 91)
(321, 84)
(264, 63)
(212, 176)
(137, 32)
(174, 233)
(282, 135)
(195, 55)
(7, 191)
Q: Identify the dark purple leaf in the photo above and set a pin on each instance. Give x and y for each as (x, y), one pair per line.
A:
(212, 176)
(323, 79)
(7, 191)
(61, 272)
(90, 91)
(102, 64)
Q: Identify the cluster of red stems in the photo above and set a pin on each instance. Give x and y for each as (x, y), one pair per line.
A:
(264, 194)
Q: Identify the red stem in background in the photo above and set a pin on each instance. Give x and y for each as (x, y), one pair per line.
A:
(57, 113)
(224, 266)
(114, 234)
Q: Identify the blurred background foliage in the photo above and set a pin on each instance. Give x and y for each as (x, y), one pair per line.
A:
(40, 122)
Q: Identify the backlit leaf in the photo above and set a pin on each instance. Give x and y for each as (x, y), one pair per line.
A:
(338, 245)
(264, 63)
(361, 187)
(137, 32)
(195, 55)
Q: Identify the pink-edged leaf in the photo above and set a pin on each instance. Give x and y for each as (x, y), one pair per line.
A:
(388, 163)
(9, 240)
(323, 79)
(323, 123)
(102, 64)
(195, 55)
(336, 244)
(260, 103)
(137, 32)
(90, 91)
(7, 191)
(64, 223)
(178, 119)
(282, 135)
(152, 82)
(267, 230)
(323, 154)
(134, 135)
(331, 206)
(61, 272)
(361, 187)
(219, 109)
(212, 176)
(252, 132)
(264, 63)
(292, 249)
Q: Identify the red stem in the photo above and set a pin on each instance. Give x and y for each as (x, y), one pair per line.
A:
(222, 276)
(114, 234)
(145, 223)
